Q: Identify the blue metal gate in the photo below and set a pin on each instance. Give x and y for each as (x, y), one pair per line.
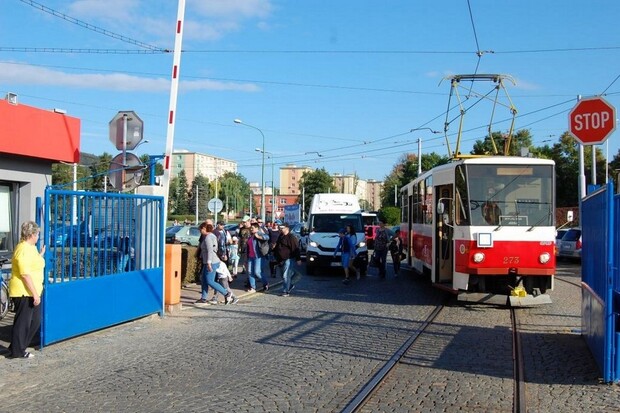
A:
(104, 261)
(601, 284)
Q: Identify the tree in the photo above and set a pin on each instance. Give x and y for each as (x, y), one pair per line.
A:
(159, 169)
(405, 171)
(173, 191)
(390, 215)
(234, 192)
(99, 170)
(182, 196)
(204, 194)
(521, 139)
(315, 182)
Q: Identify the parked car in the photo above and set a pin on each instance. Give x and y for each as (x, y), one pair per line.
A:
(65, 235)
(569, 246)
(558, 238)
(233, 229)
(183, 234)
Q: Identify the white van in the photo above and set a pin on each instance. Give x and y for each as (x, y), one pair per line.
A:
(328, 214)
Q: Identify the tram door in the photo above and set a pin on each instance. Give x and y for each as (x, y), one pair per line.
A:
(444, 245)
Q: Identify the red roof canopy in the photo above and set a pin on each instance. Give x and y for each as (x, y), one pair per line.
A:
(38, 133)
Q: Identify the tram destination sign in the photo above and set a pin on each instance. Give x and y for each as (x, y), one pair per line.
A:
(592, 120)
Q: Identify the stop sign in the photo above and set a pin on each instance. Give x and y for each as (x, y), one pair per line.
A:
(592, 120)
(135, 130)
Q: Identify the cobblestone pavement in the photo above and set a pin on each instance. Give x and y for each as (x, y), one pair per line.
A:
(310, 352)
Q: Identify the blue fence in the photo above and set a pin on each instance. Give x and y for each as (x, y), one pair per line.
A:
(104, 261)
(601, 283)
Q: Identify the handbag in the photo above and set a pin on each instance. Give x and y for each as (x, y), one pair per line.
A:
(402, 256)
(263, 246)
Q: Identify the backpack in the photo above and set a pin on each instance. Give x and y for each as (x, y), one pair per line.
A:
(345, 247)
(263, 246)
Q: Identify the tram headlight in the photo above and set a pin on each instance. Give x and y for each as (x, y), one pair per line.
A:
(544, 257)
(478, 257)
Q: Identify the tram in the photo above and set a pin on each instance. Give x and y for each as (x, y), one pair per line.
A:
(483, 228)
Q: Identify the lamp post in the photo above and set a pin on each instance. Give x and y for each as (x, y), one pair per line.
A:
(420, 147)
(273, 184)
(262, 174)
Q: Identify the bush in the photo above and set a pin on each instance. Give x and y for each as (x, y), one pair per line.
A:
(190, 268)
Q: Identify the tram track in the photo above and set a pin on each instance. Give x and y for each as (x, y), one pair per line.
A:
(519, 402)
(357, 402)
(372, 388)
(576, 284)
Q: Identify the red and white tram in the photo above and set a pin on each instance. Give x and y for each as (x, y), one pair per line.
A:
(484, 228)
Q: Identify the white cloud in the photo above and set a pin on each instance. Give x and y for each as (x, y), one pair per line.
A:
(33, 75)
(233, 9)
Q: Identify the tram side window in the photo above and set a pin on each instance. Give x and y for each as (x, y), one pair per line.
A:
(462, 197)
(420, 203)
(404, 214)
(428, 201)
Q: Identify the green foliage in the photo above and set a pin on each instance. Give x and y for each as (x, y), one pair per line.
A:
(182, 195)
(315, 182)
(390, 215)
(234, 191)
(520, 139)
(204, 194)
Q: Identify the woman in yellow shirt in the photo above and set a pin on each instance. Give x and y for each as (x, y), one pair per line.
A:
(26, 287)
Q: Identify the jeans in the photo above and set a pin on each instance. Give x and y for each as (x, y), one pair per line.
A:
(255, 271)
(285, 270)
(210, 277)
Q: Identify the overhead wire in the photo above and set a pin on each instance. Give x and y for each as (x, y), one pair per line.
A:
(89, 26)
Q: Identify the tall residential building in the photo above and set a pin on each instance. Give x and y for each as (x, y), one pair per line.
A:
(373, 193)
(290, 175)
(194, 163)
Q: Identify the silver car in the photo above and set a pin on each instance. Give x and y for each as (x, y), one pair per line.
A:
(570, 244)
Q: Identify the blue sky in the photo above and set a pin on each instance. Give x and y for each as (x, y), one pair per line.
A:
(343, 79)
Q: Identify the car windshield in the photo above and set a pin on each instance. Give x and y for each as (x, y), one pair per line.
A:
(334, 222)
(572, 235)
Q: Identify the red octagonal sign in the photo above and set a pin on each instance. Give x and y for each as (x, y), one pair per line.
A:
(592, 120)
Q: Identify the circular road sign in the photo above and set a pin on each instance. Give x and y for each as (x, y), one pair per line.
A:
(215, 205)
(135, 130)
(592, 120)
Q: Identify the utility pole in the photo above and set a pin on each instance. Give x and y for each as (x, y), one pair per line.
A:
(197, 204)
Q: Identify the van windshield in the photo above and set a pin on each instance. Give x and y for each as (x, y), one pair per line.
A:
(335, 222)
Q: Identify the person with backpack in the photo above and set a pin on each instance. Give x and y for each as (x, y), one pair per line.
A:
(382, 239)
(396, 250)
(257, 249)
(286, 251)
(346, 246)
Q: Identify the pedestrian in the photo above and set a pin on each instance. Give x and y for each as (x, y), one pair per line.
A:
(220, 234)
(210, 264)
(255, 258)
(286, 252)
(396, 250)
(26, 289)
(244, 235)
(382, 239)
(346, 247)
(274, 234)
(233, 255)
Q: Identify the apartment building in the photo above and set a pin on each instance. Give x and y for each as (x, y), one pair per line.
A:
(290, 175)
(194, 163)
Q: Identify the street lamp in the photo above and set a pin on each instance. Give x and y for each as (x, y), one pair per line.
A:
(262, 174)
(273, 184)
(420, 147)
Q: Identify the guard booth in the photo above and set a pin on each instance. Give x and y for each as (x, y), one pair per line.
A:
(104, 261)
(600, 314)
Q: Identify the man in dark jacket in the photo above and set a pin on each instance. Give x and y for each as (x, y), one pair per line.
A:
(285, 252)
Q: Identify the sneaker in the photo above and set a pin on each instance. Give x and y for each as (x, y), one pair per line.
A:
(346, 281)
(266, 287)
(201, 301)
(284, 294)
(27, 355)
(251, 290)
(292, 288)
(229, 298)
(213, 301)
(235, 300)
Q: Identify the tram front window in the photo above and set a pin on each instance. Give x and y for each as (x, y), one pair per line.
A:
(510, 195)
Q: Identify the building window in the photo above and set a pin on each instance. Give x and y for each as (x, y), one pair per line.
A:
(283, 201)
